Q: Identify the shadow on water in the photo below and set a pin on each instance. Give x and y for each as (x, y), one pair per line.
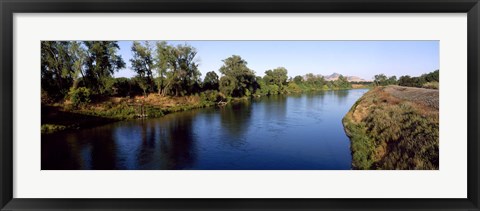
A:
(95, 149)
(275, 107)
(235, 118)
(178, 149)
(141, 144)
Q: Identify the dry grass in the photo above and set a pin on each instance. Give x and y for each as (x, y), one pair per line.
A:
(394, 128)
(421, 96)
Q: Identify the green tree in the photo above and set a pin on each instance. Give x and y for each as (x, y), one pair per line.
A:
(298, 79)
(227, 85)
(211, 81)
(278, 77)
(392, 80)
(163, 59)
(263, 88)
(380, 80)
(78, 55)
(406, 80)
(236, 68)
(342, 83)
(432, 77)
(56, 68)
(184, 76)
(142, 64)
(102, 62)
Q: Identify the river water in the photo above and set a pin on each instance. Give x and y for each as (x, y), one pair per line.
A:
(302, 132)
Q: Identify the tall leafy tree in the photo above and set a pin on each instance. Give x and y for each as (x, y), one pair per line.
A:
(278, 77)
(78, 55)
(184, 76)
(101, 63)
(142, 64)
(163, 60)
(244, 78)
(56, 68)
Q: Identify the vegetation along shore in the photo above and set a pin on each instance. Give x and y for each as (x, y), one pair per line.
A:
(395, 127)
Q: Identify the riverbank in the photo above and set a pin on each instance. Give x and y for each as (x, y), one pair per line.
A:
(394, 127)
(62, 116)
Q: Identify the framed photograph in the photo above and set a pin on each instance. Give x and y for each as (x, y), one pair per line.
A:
(258, 105)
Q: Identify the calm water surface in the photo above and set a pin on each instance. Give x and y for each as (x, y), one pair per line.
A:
(277, 132)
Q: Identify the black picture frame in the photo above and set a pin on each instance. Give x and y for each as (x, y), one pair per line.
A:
(9, 7)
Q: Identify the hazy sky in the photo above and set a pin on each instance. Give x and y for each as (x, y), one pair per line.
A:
(351, 58)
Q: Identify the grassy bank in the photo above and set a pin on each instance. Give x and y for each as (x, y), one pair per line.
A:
(62, 116)
(394, 128)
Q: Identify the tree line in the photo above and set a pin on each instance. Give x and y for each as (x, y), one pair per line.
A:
(428, 80)
(80, 70)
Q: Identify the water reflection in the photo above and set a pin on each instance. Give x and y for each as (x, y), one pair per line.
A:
(341, 95)
(277, 132)
(235, 117)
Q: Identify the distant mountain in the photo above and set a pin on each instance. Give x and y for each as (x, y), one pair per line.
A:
(355, 79)
(335, 76)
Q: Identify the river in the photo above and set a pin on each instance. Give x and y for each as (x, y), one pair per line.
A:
(292, 132)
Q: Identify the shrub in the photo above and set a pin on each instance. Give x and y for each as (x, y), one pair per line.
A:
(79, 96)
(431, 85)
(273, 89)
(293, 87)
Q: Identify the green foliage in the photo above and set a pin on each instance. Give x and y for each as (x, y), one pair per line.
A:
(116, 111)
(56, 68)
(276, 79)
(162, 63)
(341, 83)
(142, 64)
(298, 79)
(383, 80)
(429, 80)
(293, 87)
(183, 77)
(227, 85)
(262, 89)
(311, 82)
(273, 89)
(235, 68)
(211, 81)
(101, 63)
(362, 146)
(211, 96)
(431, 85)
(79, 96)
(153, 112)
(125, 87)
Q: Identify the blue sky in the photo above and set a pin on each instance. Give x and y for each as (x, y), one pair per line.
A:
(351, 58)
